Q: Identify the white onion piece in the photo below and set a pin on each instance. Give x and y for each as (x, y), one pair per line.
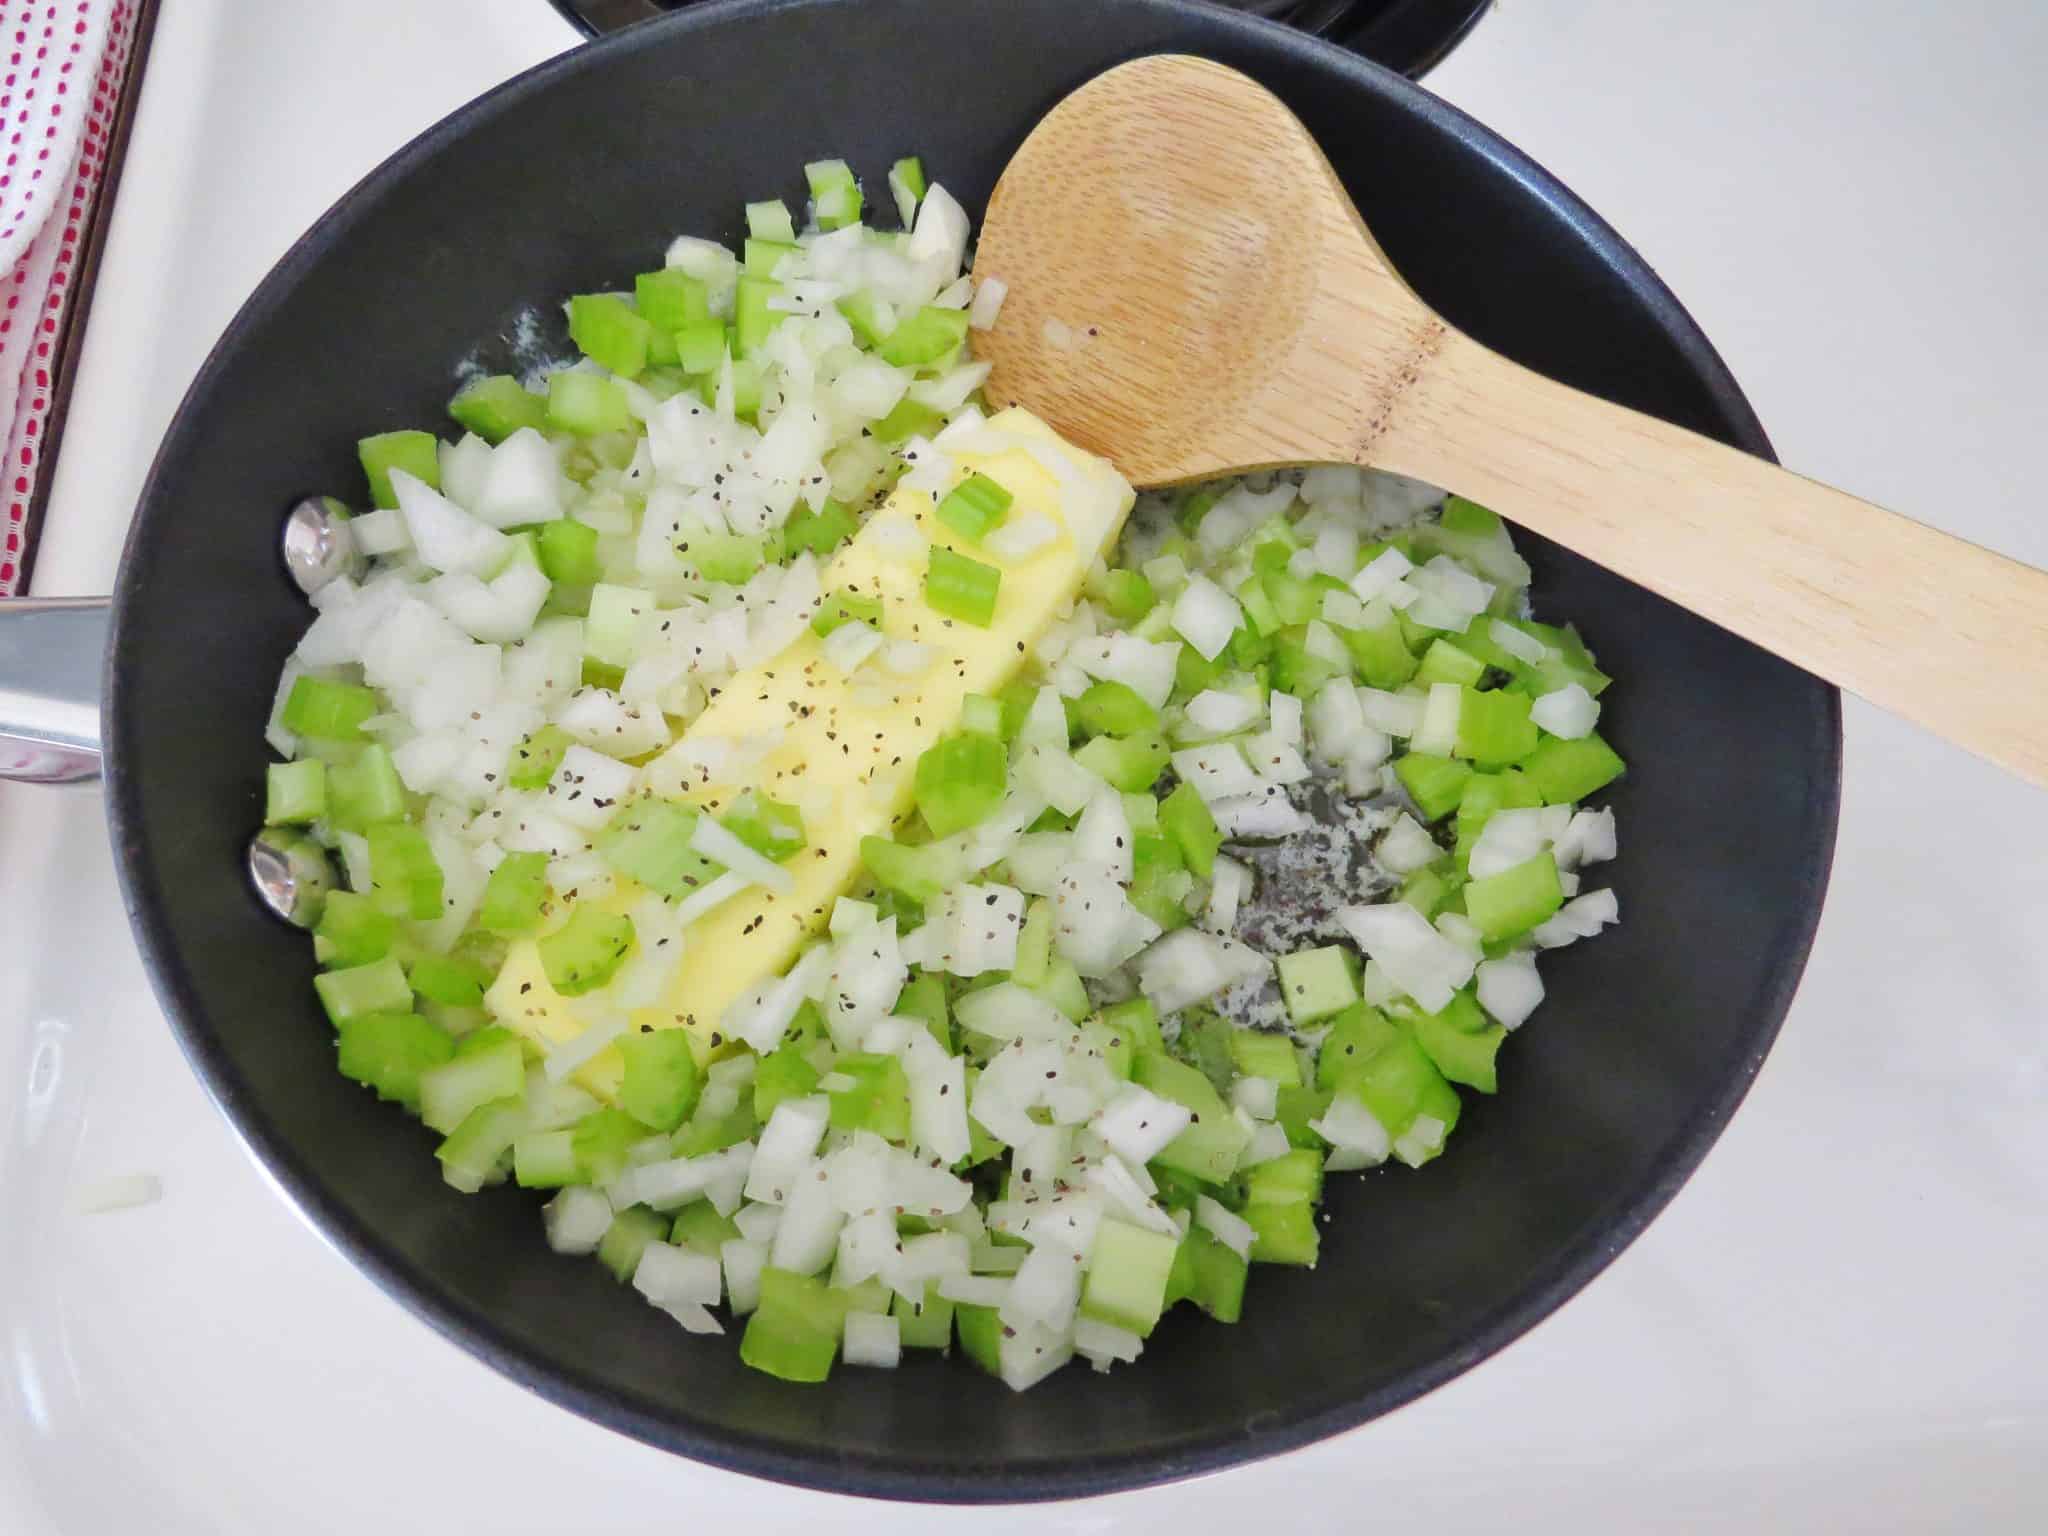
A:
(988, 303)
(577, 1219)
(784, 1151)
(722, 847)
(1580, 918)
(1213, 712)
(1217, 772)
(1406, 846)
(1356, 1137)
(1569, 712)
(1137, 1124)
(1415, 957)
(1518, 643)
(1206, 616)
(1264, 814)
(1022, 537)
(1230, 886)
(1398, 714)
(1189, 966)
(1510, 988)
(1227, 1227)
(871, 1338)
(1589, 838)
(446, 537)
(1381, 575)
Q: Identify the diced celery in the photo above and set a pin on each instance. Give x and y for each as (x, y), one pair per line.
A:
(364, 790)
(1444, 662)
(925, 998)
(959, 781)
(1380, 655)
(295, 792)
(1127, 1275)
(818, 532)
(847, 607)
(1461, 1041)
(544, 1159)
(1185, 816)
(771, 221)
(908, 173)
(1355, 1036)
(919, 873)
(1401, 1082)
(1128, 763)
(1509, 904)
(627, 1238)
(602, 1139)
(1494, 728)
(1116, 1049)
(661, 1081)
(1216, 1282)
(700, 348)
(671, 299)
(405, 880)
(497, 405)
(1115, 709)
(1283, 1233)
(1258, 608)
(974, 508)
(752, 319)
(487, 1065)
(909, 418)
(1063, 988)
(1210, 1146)
(586, 404)
(379, 987)
(924, 337)
(610, 332)
(1295, 1107)
(1564, 771)
(1137, 1021)
(568, 552)
(732, 558)
(471, 1154)
(416, 453)
(1316, 983)
(389, 1052)
(878, 1101)
(961, 588)
(769, 827)
(1034, 945)
(1258, 1053)
(650, 841)
(981, 1336)
(704, 1135)
(453, 981)
(328, 710)
(1435, 784)
(698, 1225)
(926, 1324)
(835, 194)
(514, 894)
(794, 1332)
(784, 1073)
(353, 931)
(584, 952)
(535, 759)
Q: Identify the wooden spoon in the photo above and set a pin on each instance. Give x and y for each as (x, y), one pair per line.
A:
(1191, 293)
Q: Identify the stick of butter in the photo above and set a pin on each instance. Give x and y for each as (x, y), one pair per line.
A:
(845, 748)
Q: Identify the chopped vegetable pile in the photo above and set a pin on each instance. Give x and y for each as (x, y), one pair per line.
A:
(888, 895)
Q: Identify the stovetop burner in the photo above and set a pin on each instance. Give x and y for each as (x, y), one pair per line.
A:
(1410, 36)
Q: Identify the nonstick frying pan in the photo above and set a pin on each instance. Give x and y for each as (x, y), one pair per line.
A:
(574, 176)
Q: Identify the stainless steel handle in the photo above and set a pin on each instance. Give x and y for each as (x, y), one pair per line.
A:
(50, 654)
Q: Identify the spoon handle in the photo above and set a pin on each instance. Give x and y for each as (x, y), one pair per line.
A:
(1945, 633)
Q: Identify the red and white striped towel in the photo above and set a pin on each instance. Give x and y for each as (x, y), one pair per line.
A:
(62, 64)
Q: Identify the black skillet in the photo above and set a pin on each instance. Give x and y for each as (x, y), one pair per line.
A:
(576, 175)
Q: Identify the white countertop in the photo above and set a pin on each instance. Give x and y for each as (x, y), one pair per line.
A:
(1842, 1321)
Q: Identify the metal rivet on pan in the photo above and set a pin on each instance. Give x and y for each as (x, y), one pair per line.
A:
(317, 544)
(291, 874)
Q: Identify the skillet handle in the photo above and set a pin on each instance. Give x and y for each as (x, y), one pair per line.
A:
(50, 651)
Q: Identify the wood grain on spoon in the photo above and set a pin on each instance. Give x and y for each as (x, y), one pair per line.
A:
(1191, 292)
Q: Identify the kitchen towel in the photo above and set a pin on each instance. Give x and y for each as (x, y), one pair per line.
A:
(62, 66)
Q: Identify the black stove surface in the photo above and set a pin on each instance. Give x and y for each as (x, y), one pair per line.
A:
(1410, 36)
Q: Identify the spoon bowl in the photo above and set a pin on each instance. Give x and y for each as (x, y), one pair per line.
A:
(1192, 292)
